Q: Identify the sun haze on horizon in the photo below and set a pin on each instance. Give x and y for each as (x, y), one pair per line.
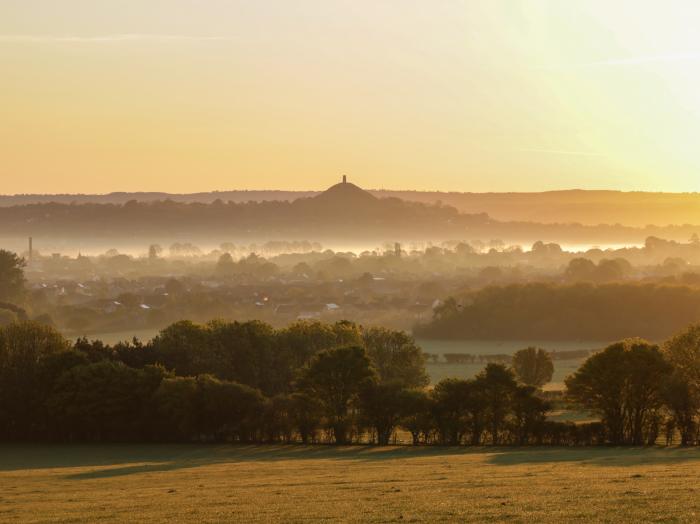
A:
(496, 95)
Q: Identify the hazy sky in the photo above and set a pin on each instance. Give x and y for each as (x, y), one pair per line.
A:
(195, 95)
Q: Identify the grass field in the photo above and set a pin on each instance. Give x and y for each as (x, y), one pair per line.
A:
(179, 483)
(442, 370)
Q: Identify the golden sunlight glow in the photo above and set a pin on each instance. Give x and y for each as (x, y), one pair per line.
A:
(468, 96)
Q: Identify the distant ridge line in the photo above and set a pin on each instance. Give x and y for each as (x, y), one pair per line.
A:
(585, 206)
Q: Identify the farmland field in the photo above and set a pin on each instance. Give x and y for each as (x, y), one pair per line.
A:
(441, 370)
(224, 483)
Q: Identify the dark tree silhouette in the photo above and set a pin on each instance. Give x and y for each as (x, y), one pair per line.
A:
(396, 357)
(336, 377)
(11, 277)
(533, 366)
(383, 406)
(623, 385)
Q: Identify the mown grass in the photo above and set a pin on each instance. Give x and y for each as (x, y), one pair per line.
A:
(181, 483)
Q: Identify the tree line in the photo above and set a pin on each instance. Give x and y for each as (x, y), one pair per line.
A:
(583, 311)
(252, 217)
(331, 383)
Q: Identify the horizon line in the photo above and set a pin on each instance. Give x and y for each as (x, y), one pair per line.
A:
(387, 190)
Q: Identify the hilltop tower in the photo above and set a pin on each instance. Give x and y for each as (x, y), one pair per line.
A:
(345, 195)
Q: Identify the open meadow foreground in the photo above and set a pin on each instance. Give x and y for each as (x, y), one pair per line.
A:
(223, 483)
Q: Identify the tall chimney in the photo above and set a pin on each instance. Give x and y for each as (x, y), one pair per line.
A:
(345, 179)
(31, 248)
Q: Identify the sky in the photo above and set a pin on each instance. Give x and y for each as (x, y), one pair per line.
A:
(492, 95)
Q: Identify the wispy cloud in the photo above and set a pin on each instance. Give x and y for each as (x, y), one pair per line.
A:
(693, 56)
(558, 152)
(647, 59)
(97, 39)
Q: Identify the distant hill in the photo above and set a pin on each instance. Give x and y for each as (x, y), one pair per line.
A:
(346, 194)
(123, 197)
(571, 206)
(344, 214)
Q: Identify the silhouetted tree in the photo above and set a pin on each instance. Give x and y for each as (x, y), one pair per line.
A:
(682, 391)
(499, 387)
(449, 399)
(623, 385)
(683, 351)
(336, 377)
(303, 339)
(184, 347)
(396, 357)
(278, 419)
(11, 277)
(682, 399)
(418, 415)
(175, 410)
(102, 401)
(154, 251)
(476, 409)
(227, 409)
(580, 269)
(533, 366)
(23, 348)
(529, 414)
(383, 405)
(225, 266)
(245, 352)
(307, 414)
